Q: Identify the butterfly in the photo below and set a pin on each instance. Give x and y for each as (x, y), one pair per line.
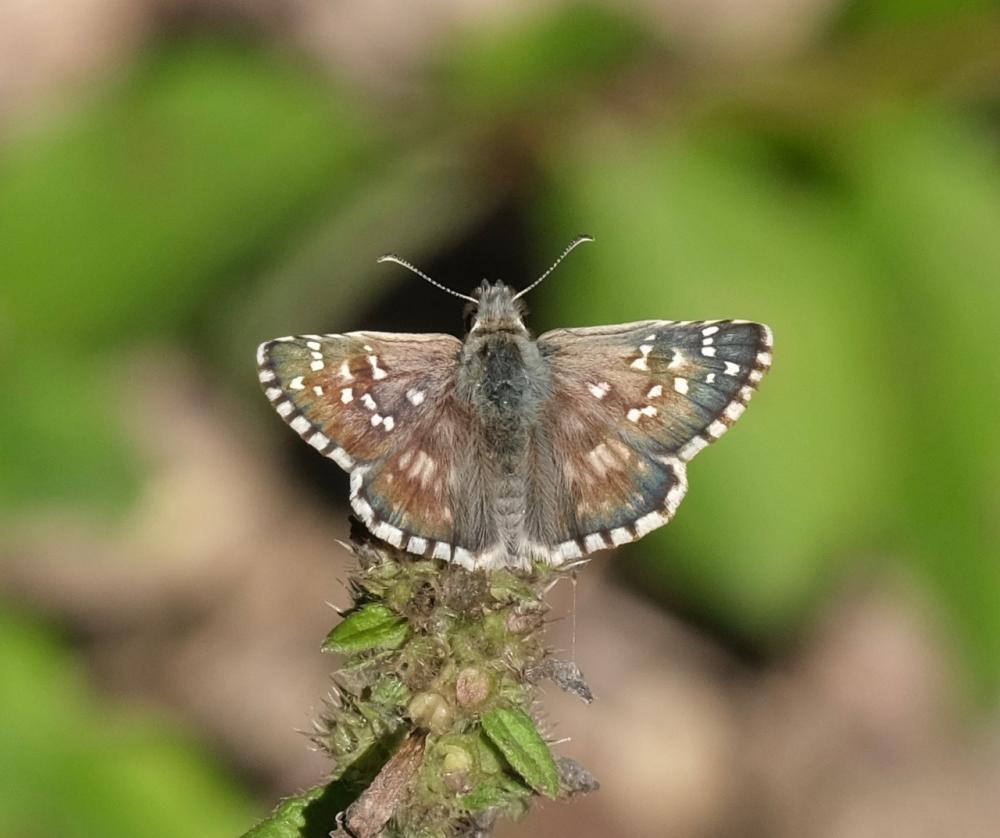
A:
(502, 450)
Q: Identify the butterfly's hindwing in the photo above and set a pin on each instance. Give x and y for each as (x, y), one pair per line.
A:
(632, 405)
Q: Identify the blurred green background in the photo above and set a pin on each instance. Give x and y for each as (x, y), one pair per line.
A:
(181, 180)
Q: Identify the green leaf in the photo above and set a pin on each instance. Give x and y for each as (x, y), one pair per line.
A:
(514, 733)
(288, 819)
(494, 794)
(313, 814)
(372, 626)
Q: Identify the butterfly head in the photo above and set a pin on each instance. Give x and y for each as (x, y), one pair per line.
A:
(495, 309)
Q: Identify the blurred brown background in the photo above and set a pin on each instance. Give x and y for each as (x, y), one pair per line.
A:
(811, 649)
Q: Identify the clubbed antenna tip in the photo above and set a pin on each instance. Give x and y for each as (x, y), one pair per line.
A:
(569, 249)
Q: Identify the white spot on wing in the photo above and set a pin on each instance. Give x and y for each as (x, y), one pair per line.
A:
(389, 533)
(313, 345)
(347, 395)
(317, 390)
(620, 535)
(681, 385)
(734, 410)
(368, 401)
(319, 441)
(376, 420)
(634, 414)
(640, 363)
(655, 391)
(377, 372)
(599, 390)
(677, 491)
(342, 458)
(357, 476)
(389, 423)
(709, 330)
(463, 557)
(649, 522)
(296, 383)
(284, 408)
(415, 397)
(417, 544)
(601, 459)
(364, 510)
(316, 366)
(441, 551)
(569, 550)
(423, 468)
(710, 378)
(716, 429)
(594, 541)
(731, 368)
(698, 443)
(345, 371)
(300, 424)
(708, 351)
(265, 375)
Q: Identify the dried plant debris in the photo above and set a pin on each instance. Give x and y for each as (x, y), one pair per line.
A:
(564, 674)
(430, 723)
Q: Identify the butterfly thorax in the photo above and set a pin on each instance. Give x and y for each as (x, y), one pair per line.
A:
(502, 375)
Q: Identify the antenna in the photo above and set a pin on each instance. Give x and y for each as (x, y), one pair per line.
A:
(572, 245)
(389, 257)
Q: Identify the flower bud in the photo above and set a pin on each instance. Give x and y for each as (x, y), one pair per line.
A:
(432, 712)
(473, 686)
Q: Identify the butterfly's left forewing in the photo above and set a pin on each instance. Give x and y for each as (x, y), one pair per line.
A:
(382, 406)
(631, 406)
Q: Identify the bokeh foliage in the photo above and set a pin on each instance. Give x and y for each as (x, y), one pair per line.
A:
(222, 189)
(75, 767)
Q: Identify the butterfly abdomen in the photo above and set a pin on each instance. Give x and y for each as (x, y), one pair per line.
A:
(504, 380)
